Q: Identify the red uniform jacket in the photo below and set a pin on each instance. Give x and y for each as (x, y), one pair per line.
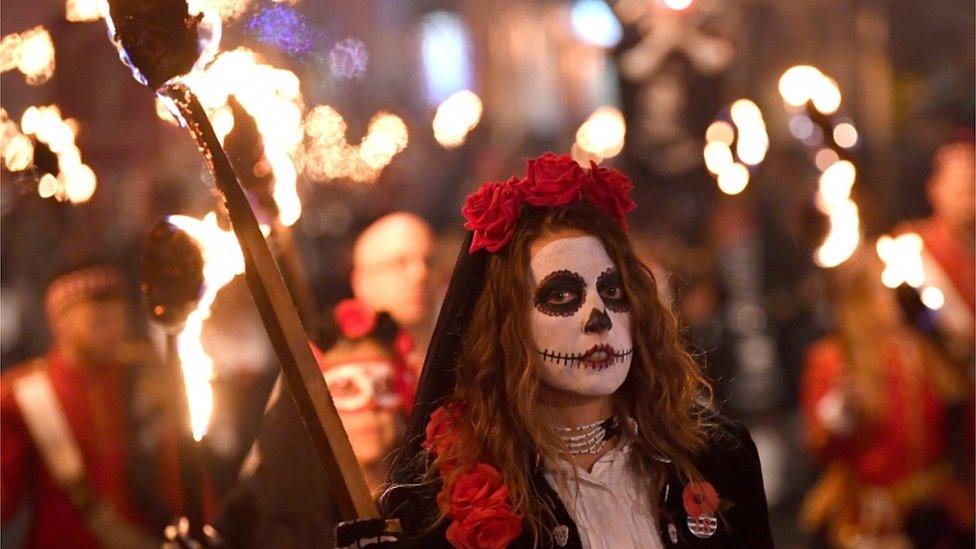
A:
(96, 403)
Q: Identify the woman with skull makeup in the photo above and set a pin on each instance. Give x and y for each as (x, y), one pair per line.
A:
(557, 406)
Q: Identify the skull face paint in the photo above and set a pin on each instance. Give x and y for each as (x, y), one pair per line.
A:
(580, 317)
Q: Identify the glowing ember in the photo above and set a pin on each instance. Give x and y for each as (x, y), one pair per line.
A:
(76, 182)
(456, 117)
(31, 52)
(271, 96)
(223, 261)
(83, 11)
(329, 156)
(602, 134)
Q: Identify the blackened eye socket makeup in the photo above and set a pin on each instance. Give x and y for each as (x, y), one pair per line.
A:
(611, 289)
(561, 293)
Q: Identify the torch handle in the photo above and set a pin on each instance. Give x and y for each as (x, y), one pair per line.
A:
(281, 321)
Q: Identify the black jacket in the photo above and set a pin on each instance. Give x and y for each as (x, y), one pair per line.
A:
(730, 463)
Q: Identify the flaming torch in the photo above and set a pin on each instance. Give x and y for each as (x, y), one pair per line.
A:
(159, 40)
(172, 283)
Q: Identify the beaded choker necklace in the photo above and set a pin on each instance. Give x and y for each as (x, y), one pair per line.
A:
(590, 438)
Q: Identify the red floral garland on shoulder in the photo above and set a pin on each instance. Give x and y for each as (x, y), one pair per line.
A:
(476, 499)
(550, 180)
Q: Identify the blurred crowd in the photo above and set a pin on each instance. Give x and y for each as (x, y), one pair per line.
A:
(856, 379)
(885, 391)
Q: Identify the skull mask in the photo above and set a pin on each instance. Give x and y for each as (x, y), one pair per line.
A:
(580, 317)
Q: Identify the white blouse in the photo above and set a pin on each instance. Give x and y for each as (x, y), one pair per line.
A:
(609, 504)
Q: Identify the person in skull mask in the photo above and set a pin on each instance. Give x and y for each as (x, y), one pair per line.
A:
(557, 406)
(283, 497)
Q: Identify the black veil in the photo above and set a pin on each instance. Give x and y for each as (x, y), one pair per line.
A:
(437, 378)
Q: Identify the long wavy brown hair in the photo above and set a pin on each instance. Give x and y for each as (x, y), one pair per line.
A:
(665, 391)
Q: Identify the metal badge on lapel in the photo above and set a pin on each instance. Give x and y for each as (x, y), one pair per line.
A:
(561, 535)
(704, 526)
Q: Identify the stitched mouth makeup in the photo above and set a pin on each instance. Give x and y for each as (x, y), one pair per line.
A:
(597, 357)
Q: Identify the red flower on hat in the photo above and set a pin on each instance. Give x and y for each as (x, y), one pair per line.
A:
(491, 213)
(609, 190)
(700, 498)
(552, 180)
(354, 318)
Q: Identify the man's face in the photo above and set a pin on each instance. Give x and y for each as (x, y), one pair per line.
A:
(369, 407)
(579, 315)
(392, 272)
(93, 328)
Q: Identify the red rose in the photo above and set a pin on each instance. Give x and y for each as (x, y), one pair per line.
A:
(552, 180)
(700, 498)
(492, 213)
(609, 190)
(355, 319)
(479, 488)
(442, 428)
(487, 528)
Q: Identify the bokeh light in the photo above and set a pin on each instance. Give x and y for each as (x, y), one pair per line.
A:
(446, 55)
(733, 179)
(720, 131)
(803, 83)
(30, 52)
(456, 117)
(85, 11)
(845, 135)
(595, 23)
(76, 182)
(348, 59)
(843, 237)
(329, 156)
(676, 5)
(932, 297)
(284, 28)
(902, 257)
(602, 134)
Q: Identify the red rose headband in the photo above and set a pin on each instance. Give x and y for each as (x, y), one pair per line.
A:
(551, 180)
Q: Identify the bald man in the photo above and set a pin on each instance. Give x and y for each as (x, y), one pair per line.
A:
(391, 269)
